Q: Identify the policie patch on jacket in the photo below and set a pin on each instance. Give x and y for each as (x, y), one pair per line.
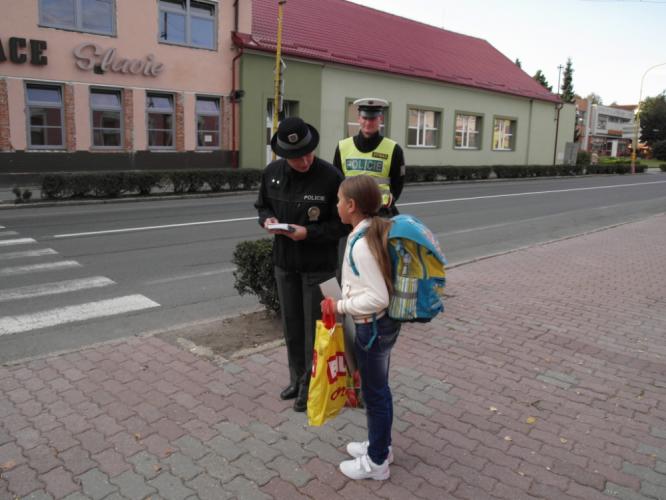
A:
(383, 156)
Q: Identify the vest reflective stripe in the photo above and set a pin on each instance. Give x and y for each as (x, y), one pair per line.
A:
(376, 163)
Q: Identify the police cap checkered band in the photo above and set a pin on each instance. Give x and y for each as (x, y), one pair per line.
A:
(288, 146)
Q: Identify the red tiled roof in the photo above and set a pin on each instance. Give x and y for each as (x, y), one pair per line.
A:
(347, 33)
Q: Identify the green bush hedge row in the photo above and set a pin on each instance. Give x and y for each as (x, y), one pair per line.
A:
(114, 184)
(662, 167)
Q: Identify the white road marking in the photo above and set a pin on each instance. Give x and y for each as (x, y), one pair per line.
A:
(56, 287)
(35, 268)
(17, 241)
(190, 276)
(8, 233)
(530, 193)
(242, 219)
(149, 228)
(70, 314)
(27, 254)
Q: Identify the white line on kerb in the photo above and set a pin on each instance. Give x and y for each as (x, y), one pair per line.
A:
(54, 288)
(35, 268)
(27, 254)
(530, 193)
(147, 228)
(17, 241)
(53, 317)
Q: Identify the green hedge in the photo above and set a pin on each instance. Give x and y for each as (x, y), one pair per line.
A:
(662, 167)
(254, 272)
(517, 171)
(114, 184)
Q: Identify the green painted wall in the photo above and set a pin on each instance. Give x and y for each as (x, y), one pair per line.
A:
(303, 83)
(535, 137)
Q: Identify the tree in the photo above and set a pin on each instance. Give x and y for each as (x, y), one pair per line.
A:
(518, 63)
(567, 91)
(541, 78)
(596, 98)
(653, 119)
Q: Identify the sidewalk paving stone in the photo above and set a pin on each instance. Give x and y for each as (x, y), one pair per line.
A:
(544, 378)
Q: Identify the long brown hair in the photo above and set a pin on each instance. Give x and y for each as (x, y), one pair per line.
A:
(365, 192)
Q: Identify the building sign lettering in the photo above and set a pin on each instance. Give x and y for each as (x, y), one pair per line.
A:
(90, 56)
(17, 51)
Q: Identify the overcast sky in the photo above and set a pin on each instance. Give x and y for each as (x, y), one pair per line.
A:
(611, 42)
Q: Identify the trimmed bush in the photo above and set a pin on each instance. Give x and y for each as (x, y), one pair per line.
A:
(254, 272)
(583, 158)
(659, 150)
(662, 167)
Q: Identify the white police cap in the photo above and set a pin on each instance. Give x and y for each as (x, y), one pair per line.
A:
(369, 107)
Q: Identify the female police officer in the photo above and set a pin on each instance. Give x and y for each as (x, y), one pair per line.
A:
(300, 190)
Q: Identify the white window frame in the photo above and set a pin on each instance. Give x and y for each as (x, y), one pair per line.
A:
(467, 132)
(421, 127)
(166, 8)
(158, 111)
(118, 109)
(218, 115)
(506, 141)
(78, 20)
(45, 104)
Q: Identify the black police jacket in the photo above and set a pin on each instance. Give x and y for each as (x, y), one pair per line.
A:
(308, 199)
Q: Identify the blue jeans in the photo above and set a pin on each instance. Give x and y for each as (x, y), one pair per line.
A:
(373, 364)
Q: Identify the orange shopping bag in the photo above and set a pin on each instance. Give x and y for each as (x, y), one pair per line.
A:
(328, 384)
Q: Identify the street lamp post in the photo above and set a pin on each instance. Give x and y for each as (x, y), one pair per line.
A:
(637, 119)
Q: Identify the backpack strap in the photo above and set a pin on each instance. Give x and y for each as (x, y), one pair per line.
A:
(356, 237)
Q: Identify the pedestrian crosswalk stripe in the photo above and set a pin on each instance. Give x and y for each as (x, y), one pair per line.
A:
(57, 287)
(17, 241)
(8, 233)
(16, 324)
(33, 268)
(27, 254)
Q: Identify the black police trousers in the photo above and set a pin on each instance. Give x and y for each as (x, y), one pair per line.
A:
(300, 300)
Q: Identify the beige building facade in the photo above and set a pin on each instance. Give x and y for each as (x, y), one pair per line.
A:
(118, 84)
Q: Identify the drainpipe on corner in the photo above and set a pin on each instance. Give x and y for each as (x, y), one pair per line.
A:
(558, 107)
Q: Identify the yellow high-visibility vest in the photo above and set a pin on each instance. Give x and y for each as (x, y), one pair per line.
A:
(376, 163)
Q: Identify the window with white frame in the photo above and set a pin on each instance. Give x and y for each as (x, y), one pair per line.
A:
(45, 116)
(107, 118)
(423, 128)
(160, 120)
(468, 131)
(208, 122)
(93, 16)
(504, 134)
(188, 22)
(353, 126)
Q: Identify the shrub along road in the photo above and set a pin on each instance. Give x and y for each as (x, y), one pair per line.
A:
(78, 274)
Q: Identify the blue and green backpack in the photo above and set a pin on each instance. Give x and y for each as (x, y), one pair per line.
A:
(418, 268)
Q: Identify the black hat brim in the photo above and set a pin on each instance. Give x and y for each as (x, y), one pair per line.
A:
(296, 153)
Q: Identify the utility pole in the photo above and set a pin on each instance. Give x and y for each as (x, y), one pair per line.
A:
(559, 73)
(277, 95)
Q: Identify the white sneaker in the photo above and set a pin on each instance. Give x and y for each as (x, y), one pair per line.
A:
(364, 468)
(360, 448)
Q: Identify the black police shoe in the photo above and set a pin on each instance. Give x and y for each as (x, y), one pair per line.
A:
(290, 392)
(301, 403)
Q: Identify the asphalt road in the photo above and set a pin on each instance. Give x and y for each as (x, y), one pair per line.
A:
(76, 275)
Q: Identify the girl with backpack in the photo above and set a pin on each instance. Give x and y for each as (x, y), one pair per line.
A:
(365, 296)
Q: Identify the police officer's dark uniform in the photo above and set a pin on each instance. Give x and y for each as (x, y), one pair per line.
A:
(377, 156)
(306, 199)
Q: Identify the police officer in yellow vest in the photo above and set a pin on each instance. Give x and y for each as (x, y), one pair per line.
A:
(369, 153)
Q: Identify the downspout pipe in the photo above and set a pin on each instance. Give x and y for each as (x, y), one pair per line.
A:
(558, 107)
(233, 96)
